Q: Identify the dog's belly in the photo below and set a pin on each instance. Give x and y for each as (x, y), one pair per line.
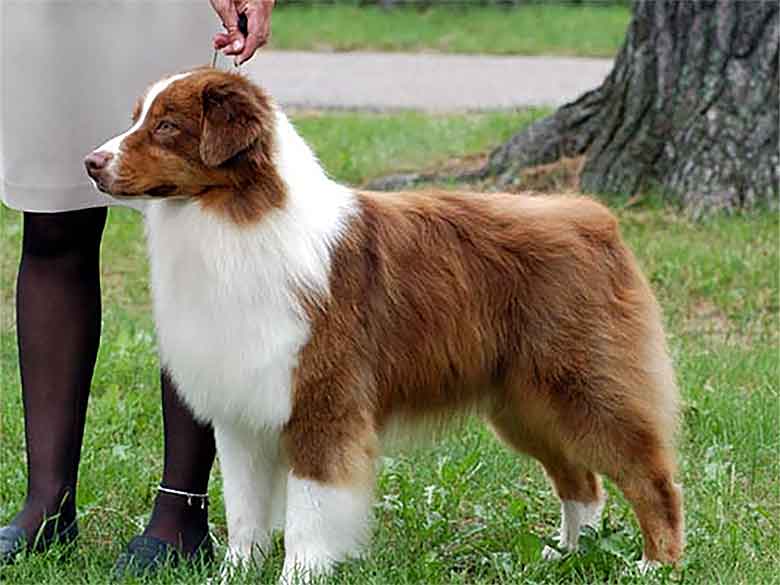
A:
(232, 362)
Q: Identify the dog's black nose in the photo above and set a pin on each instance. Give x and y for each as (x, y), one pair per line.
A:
(97, 161)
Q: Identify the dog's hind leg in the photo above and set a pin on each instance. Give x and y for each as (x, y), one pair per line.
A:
(579, 488)
(582, 500)
(625, 431)
(630, 438)
(648, 484)
(248, 460)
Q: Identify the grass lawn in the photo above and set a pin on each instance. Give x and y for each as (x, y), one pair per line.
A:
(535, 29)
(465, 510)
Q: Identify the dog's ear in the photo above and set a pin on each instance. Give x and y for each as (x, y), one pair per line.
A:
(232, 120)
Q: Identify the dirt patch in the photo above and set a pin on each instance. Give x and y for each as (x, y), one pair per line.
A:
(707, 318)
(462, 165)
(708, 322)
(562, 175)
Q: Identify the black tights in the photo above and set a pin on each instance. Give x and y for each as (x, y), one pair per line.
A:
(58, 321)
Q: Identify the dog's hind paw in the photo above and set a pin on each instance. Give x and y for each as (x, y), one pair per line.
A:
(646, 566)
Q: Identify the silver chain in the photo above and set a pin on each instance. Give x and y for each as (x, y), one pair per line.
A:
(203, 497)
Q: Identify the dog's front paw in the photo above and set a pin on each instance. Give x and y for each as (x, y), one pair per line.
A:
(551, 554)
(228, 569)
(236, 561)
(304, 567)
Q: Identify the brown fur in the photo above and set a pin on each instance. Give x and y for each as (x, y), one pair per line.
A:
(220, 145)
(530, 311)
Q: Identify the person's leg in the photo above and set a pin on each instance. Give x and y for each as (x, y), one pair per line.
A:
(189, 455)
(58, 322)
(58, 325)
(178, 526)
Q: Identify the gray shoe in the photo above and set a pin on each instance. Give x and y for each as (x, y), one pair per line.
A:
(13, 541)
(146, 555)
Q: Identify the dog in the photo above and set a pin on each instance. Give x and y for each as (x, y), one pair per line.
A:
(304, 320)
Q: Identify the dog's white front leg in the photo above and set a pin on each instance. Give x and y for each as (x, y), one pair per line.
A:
(325, 524)
(279, 496)
(248, 460)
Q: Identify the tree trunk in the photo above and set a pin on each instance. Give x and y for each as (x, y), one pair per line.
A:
(690, 107)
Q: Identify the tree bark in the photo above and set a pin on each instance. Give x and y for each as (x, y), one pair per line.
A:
(690, 107)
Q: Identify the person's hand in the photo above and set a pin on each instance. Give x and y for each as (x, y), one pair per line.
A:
(232, 42)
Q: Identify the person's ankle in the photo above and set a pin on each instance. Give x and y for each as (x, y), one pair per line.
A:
(179, 520)
(46, 514)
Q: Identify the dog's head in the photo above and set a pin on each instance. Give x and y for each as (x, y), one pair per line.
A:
(205, 134)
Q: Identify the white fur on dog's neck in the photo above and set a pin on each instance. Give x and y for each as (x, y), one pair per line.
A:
(317, 207)
(225, 296)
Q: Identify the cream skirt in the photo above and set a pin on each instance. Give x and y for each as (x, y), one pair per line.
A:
(70, 71)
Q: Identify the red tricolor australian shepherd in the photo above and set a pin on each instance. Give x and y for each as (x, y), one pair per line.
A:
(305, 319)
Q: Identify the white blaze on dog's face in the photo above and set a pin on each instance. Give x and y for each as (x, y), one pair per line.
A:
(206, 134)
(140, 112)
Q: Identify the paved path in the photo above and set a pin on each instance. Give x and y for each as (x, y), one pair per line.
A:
(428, 82)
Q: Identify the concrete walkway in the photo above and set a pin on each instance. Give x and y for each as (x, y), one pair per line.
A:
(427, 82)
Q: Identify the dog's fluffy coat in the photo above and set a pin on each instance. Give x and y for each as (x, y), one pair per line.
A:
(305, 319)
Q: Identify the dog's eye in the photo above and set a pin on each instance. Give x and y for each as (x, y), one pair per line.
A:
(166, 127)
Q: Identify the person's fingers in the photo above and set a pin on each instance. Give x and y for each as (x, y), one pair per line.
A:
(258, 28)
(226, 10)
(254, 38)
(231, 42)
(221, 40)
(237, 44)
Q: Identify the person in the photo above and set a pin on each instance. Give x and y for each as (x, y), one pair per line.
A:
(70, 73)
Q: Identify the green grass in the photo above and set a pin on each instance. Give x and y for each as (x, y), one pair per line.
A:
(465, 510)
(354, 150)
(536, 29)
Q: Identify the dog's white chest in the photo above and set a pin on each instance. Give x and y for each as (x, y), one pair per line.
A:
(228, 324)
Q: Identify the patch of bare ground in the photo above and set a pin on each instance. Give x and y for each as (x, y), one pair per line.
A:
(562, 176)
(705, 318)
